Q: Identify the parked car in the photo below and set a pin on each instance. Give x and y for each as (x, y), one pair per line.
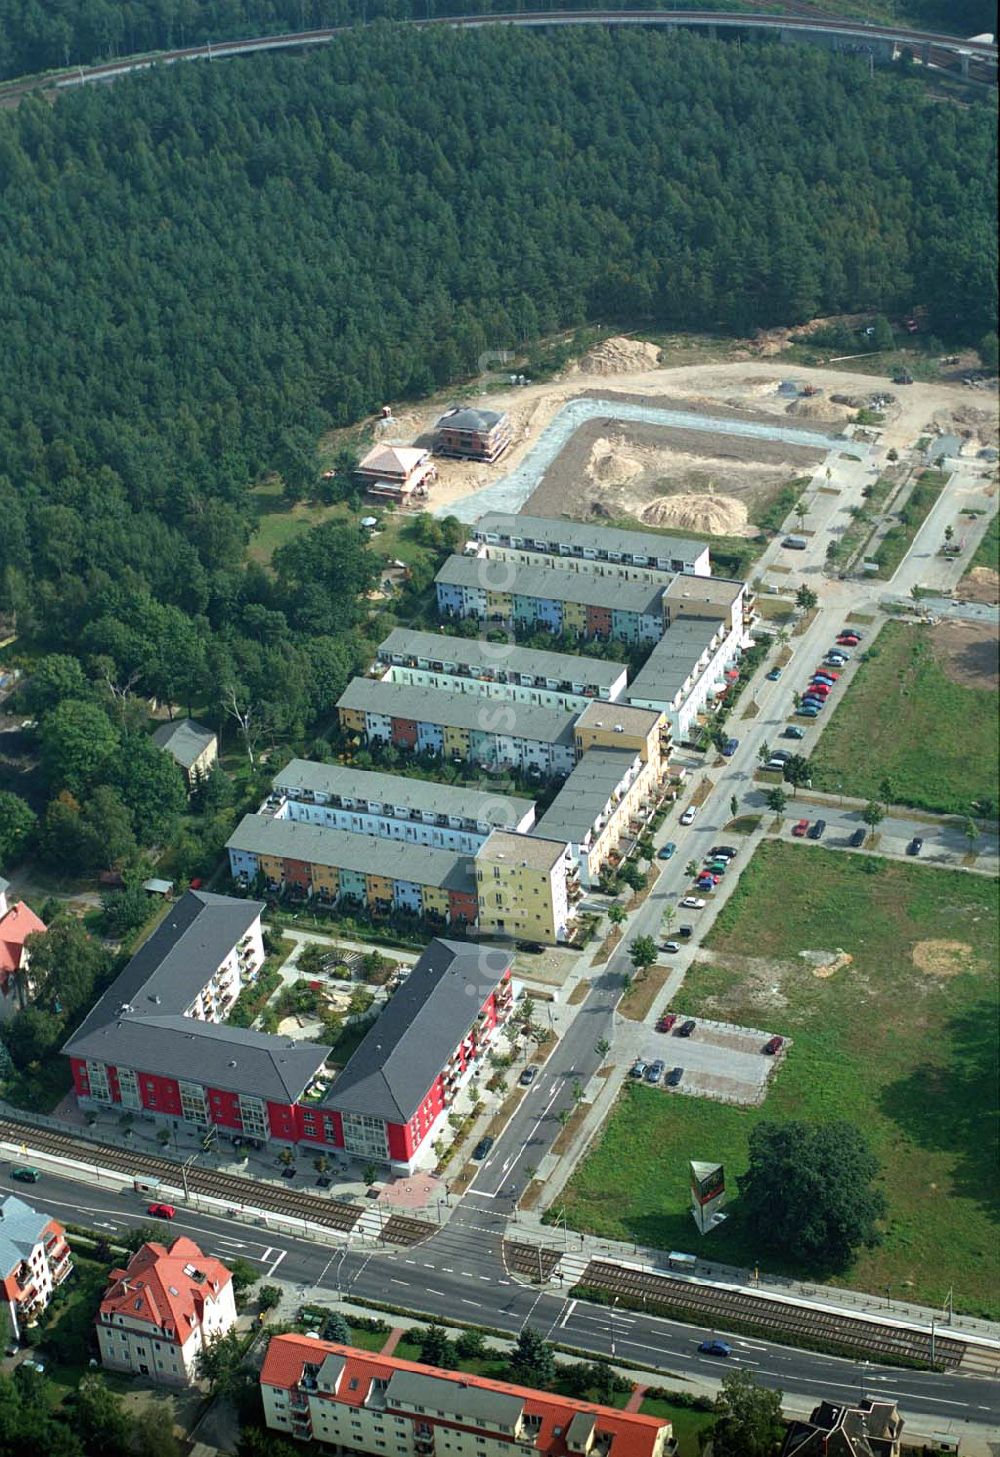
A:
(654, 1072)
(848, 640)
(482, 1148)
(715, 1348)
(837, 659)
(25, 1173)
(686, 1028)
(667, 850)
(671, 947)
(773, 1045)
(685, 932)
(819, 689)
(528, 1076)
(687, 818)
(800, 829)
(717, 867)
(816, 830)
(776, 765)
(774, 675)
(666, 1022)
(693, 903)
(793, 732)
(729, 747)
(637, 1070)
(161, 1211)
(32, 1363)
(673, 1077)
(781, 754)
(828, 675)
(853, 632)
(915, 846)
(807, 710)
(729, 851)
(534, 947)
(706, 882)
(858, 838)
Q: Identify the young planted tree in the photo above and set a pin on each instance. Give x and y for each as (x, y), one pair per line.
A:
(777, 800)
(806, 598)
(642, 952)
(873, 814)
(617, 914)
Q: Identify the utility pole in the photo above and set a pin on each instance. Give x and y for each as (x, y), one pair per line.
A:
(932, 1340)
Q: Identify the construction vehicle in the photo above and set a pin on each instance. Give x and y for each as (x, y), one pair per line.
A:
(903, 377)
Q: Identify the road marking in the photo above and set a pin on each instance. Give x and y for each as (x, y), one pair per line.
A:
(404, 1283)
(477, 1303)
(569, 1311)
(277, 1262)
(267, 1254)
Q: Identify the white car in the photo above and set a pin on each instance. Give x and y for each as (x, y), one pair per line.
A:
(693, 903)
(687, 818)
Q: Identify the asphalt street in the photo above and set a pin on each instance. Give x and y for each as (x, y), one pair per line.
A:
(458, 1279)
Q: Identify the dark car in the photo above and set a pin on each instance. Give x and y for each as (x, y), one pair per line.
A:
(482, 1148)
(686, 1028)
(773, 1045)
(858, 838)
(673, 1077)
(730, 746)
(816, 829)
(915, 846)
(715, 1348)
(793, 732)
(654, 1072)
(728, 852)
(535, 947)
(324, 1181)
(667, 850)
(685, 932)
(774, 675)
(288, 1173)
(528, 1077)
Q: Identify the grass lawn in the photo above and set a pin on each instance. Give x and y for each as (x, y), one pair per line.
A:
(687, 1423)
(904, 718)
(988, 551)
(908, 1054)
(897, 542)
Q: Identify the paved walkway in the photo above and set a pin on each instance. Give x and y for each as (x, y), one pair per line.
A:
(392, 1340)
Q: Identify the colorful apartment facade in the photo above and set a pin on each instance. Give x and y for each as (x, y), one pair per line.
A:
(17, 923)
(501, 662)
(343, 867)
(527, 887)
(34, 1261)
(161, 1311)
(553, 536)
(358, 1401)
(458, 726)
(583, 604)
(391, 806)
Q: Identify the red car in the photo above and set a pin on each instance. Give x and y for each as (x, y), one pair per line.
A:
(827, 673)
(666, 1022)
(162, 1211)
(848, 640)
(822, 689)
(800, 829)
(774, 1045)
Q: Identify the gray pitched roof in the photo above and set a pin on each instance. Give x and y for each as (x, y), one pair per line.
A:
(184, 739)
(455, 710)
(423, 795)
(439, 647)
(139, 1023)
(482, 421)
(557, 584)
(585, 794)
(393, 1068)
(21, 1228)
(589, 536)
(366, 854)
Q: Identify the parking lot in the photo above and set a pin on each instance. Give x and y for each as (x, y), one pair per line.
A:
(719, 1060)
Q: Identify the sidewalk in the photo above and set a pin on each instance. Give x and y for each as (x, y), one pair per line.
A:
(857, 1302)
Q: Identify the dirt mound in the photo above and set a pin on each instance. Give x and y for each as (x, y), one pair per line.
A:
(827, 963)
(982, 584)
(815, 408)
(968, 653)
(941, 958)
(610, 464)
(619, 355)
(714, 515)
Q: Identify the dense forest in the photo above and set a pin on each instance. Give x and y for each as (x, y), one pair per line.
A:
(203, 269)
(39, 35)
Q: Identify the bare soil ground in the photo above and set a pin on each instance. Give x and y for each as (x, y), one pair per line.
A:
(746, 386)
(968, 652)
(982, 584)
(666, 477)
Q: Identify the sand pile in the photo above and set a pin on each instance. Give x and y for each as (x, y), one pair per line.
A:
(610, 463)
(816, 408)
(620, 356)
(714, 515)
(827, 963)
